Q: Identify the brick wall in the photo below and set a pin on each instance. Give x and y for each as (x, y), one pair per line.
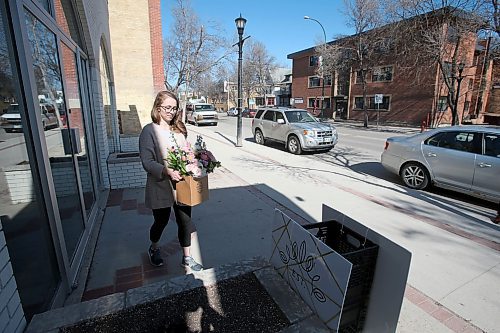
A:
(11, 312)
(126, 172)
(156, 44)
(132, 57)
(129, 143)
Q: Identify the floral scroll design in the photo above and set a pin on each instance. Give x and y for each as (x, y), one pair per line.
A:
(295, 256)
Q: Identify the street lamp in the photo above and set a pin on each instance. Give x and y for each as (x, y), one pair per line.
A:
(461, 67)
(240, 25)
(322, 71)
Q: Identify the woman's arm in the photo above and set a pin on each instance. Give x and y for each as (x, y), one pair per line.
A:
(148, 155)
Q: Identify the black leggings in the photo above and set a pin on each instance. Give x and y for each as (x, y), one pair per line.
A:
(183, 219)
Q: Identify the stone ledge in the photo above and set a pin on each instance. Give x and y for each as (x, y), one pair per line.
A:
(52, 320)
(124, 158)
(288, 301)
(60, 317)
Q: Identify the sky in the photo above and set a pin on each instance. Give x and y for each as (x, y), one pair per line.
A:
(278, 24)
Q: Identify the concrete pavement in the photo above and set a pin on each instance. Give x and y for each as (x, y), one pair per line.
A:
(453, 281)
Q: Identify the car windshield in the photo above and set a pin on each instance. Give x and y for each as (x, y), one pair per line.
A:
(204, 108)
(13, 109)
(301, 116)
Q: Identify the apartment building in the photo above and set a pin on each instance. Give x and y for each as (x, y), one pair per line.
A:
(399, 92)
(58, 56)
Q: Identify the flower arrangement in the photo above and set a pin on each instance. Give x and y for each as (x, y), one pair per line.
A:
(196, 161)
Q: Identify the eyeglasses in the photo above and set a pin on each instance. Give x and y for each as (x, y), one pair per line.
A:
(169, 108)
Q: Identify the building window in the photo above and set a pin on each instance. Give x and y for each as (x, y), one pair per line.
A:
(66, 19)
(447, 69)
(382, 74)
(359, 76)
(386, 101)
(44, 4)
(314, 82)
(358, 102)
(471, 84)
(313, 61)
(327, 103)
(452, 34)
(466, 107)
(385, 105)
(328, 80)
(442, 104)
(313, 102)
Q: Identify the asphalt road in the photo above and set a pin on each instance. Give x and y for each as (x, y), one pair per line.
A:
(358, 149)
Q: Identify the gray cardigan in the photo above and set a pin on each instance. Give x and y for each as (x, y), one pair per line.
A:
(159, 192)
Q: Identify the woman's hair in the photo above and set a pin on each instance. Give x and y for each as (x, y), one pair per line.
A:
(176, 125)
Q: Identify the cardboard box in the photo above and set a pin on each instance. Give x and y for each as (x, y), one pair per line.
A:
(192, 191)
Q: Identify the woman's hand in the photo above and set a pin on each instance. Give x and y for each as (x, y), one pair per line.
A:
(172, 174)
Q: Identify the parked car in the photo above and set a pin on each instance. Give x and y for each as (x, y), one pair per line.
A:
(201, 113)
(11, 120)
(248, 113)
(232, 112)
(296, 128)
(460, 158)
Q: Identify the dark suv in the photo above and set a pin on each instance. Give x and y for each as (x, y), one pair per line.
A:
(296, 128)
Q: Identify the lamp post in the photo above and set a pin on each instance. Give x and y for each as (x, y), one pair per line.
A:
(461, 67)
(240, 25)
(322, 72)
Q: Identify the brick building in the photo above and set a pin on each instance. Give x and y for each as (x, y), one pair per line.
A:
(404, 99)
(97, 65)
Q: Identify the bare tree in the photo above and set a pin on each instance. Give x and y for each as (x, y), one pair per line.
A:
(443, 36)
(258, 65)
(191, 49)
(360, 52)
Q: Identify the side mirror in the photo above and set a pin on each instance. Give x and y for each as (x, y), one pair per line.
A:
(281, 121)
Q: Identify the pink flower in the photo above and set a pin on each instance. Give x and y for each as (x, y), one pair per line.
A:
(193, 169)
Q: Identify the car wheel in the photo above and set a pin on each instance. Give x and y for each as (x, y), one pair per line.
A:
(415, 176)
(259, 137)
(293, 145)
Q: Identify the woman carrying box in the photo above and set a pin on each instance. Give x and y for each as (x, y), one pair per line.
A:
(166, 130)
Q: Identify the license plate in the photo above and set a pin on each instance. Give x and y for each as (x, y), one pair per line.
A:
(327, 139)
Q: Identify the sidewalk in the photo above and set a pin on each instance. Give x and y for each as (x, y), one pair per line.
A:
(235, 225)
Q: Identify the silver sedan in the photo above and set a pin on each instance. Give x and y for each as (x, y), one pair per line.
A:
(461, 158)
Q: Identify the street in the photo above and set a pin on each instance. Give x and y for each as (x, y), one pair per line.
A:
(455, 247)
(358, 149)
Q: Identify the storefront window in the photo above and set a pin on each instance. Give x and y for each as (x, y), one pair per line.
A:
(66, 19)
(44, 4)
(23, 217)
(63, 141)
(76, 122)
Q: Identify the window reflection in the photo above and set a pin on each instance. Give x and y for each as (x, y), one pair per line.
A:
(22, 214)
(45, 4)
(60, 141)
(66, 19)
(76, 124)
